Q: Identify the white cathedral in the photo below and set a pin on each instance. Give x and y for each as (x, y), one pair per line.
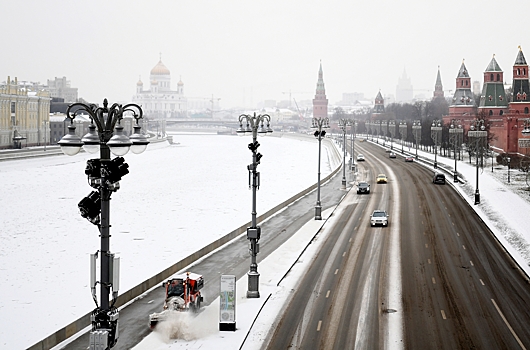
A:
(160, 102)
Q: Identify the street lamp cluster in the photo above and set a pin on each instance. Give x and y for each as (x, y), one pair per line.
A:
(456, 134)
(319, 124)
(479, 135)
(104, 175)
(254, 125)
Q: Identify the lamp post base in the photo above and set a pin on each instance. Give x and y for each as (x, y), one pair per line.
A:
(477, 197)
(318, 212)
(455, 177)
(253, 283)
(343, 187)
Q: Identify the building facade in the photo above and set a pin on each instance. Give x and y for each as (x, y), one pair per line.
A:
(320, 102)
(24, 115)
(60, 88)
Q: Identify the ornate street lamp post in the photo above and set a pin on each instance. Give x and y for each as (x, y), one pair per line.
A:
(343, 124)
(402, 132)
(478, 133)
(508, 159)
(392, 127)
(353, 124)
(436, 129)
(319, 124)
(416, 129)
(255, 125)
(104, 175)
(456, 133)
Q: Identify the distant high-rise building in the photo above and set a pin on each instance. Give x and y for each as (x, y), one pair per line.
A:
(320, 102)
(476, 87)
(60, 87)
(404, 91)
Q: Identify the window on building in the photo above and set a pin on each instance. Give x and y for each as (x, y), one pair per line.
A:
(498, 77)
(501, 112)
(518, 71)
(13, 107)
(467, 83)
(491, 77)
(491, 112)
(526, 110)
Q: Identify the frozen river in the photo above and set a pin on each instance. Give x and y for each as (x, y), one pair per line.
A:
(175, 200)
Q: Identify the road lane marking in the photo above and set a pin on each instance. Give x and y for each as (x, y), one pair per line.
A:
(464, 246)
(426, 245)
(433, 281)
(327, 294)
(349, 240)
(337, 270)
(458, 234)
(509, 327)
(319, 325)
(471, 262)
(482, 282)
(343, 254)
(429, 261)
(443, 315)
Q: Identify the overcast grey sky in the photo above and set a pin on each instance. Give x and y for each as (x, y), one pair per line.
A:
(246, 51)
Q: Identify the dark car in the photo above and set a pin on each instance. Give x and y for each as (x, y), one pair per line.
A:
(363, 187)
(409, 159)
(438, 178)
(392, 155)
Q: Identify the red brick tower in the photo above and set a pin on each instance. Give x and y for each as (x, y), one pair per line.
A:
(519, 108)
(438, 87)
(320, 102)
(462, 105)
(493, 106)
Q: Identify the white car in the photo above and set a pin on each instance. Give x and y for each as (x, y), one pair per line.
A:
(379, 217)
(360, 158)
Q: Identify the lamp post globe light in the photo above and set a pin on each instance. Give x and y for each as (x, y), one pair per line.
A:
(319, 124)
(436, 128)
(416, 129)
(104, 175)
(456, 134)
(343, 124)
(254, 125)
(477, 131)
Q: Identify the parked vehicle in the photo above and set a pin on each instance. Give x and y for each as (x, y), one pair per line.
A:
(360, 158)
(363, 187)
(438, 178)
(379, 217)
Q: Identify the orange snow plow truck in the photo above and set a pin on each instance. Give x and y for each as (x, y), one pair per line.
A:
(183, 293)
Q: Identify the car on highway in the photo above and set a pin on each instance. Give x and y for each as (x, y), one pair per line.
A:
(438, 178)
(391, 155)
(363, 187)
(409, 159)
(360, 158)
(381, 179)
(379, 217)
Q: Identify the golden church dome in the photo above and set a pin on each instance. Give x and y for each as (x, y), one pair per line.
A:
(160, 69)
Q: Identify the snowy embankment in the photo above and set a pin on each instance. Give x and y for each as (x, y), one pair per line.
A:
(189, 194)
